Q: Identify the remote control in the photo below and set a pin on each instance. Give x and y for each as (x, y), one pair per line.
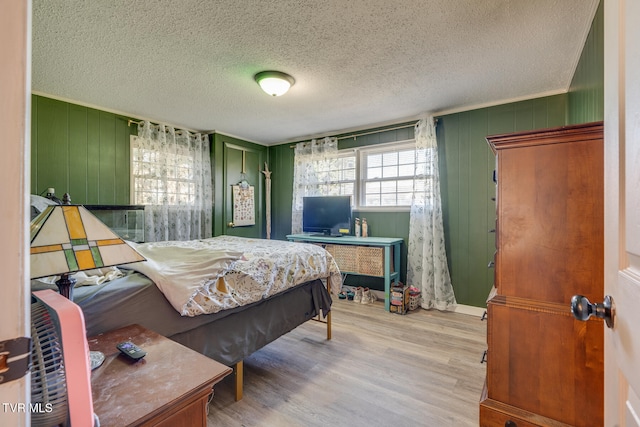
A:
(131, 350)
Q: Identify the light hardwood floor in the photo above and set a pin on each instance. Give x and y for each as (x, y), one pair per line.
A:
(379, 369)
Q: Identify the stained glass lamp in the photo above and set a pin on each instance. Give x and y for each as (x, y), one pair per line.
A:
(68, 238)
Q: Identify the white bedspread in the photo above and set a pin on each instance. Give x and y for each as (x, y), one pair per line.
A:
(209, 275)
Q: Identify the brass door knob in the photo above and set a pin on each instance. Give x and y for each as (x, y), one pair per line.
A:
(231, 224)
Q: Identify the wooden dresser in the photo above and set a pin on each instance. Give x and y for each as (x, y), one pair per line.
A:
(544, 368)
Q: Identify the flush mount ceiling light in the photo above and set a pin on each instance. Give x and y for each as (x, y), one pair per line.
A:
(274, 83)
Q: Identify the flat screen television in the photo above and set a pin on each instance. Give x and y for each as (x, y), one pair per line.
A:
(327, 215)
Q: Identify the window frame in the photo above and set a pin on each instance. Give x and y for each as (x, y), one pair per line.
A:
(360, 154)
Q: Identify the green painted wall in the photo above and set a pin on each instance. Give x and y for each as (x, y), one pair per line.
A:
(467, 189)
(227, 154)
(85, 152)
(281, 163)
(81, 151)
(586, 94)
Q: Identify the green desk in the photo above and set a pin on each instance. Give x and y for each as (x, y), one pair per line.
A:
(391, 246)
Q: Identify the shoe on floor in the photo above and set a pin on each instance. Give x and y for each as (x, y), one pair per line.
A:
(368, 297)
(357, 294)
(372, 296)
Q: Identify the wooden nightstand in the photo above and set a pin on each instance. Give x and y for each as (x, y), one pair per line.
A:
(169, 387)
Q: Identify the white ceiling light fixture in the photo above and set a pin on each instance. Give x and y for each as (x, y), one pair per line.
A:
(274, 83)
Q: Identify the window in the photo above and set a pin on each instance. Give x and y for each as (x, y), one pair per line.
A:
(342, 179)
(380, 176)
(159, 179)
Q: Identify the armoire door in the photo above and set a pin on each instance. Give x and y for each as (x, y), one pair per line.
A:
(544, 367)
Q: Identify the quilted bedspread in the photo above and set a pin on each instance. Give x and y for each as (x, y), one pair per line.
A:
(209, 275)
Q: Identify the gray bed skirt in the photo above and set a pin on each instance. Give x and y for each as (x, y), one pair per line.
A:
(227, 336)
(241, 333)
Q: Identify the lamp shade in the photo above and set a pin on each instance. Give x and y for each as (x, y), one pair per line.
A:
(274, 83)
(68, 238)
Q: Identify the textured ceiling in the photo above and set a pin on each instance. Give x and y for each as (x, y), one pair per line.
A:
(357, 64)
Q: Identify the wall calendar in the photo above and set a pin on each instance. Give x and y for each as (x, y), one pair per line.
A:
(243, 205)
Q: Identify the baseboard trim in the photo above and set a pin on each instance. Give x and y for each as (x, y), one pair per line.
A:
(460, 308)
(470, 310)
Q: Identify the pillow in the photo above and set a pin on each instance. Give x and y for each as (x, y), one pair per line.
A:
(38, 204)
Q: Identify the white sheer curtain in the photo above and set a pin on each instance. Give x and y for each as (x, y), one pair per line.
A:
(427, 266)
(312, 166)
(171, 174)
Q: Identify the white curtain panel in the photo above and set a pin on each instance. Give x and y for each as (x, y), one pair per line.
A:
(427, 267)
(312, 168)
(172, 178)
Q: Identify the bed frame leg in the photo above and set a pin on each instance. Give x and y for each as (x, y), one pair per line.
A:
(329, 314)
(238, 373)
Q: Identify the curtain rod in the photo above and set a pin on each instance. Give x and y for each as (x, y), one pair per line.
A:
(130, 121)
(356, 135)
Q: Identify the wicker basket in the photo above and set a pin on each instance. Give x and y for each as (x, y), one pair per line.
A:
(370, 261)
(364, 260)
(345, 256)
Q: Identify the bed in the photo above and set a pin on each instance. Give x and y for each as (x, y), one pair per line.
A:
(288, 284)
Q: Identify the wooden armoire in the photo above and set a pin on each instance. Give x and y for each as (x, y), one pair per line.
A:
(544, 368)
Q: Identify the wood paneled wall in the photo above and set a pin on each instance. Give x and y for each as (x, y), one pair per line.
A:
(81, 151)
(227, 163)
(85, 152)
(467, 188)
